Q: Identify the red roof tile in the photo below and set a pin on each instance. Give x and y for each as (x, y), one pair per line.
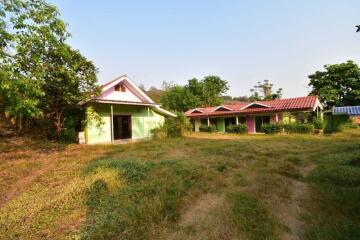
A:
(278, 105)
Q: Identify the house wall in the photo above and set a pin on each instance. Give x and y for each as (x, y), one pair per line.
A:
(143, 120)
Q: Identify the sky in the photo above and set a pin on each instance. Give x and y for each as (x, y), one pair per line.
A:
(242, 41)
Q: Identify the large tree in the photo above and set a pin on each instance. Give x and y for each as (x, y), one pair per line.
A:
(40, 74)
(264, 91)
(338, 85)
(196, 93)
(178, 98)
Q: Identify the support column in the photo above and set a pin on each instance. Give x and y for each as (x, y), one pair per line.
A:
(237, 120)
(208, 121)
(112, 123)
(276, 117)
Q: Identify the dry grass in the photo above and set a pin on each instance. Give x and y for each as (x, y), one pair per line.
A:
(204, 186)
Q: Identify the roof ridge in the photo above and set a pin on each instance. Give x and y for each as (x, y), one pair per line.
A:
(113, 80)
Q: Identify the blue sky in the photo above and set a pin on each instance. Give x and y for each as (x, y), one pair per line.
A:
(241, 41)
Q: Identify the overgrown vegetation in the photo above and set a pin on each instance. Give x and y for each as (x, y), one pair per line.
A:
(205, 186)
(172, 127)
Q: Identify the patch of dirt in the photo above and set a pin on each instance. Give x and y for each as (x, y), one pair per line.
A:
(204, 219)
(290, 211)
(200, 208)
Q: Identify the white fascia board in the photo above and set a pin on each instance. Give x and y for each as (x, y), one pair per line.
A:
(257, 103)
(196, 109)
(215, 109)
(318, 104)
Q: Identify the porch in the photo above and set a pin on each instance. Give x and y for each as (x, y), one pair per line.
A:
(254, 122)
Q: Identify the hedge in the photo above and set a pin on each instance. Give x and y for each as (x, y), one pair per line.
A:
(272, 128)
(241, 128)
(335, 123)
(299, 128)
(205, 128)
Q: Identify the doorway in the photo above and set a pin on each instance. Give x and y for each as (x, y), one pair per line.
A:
(259, 121)
(122, 127)
(229, 122)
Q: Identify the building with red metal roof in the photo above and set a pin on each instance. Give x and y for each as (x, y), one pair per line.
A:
(255, 114)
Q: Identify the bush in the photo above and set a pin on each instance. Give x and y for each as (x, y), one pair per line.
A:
(172, 127)
(318, 124)
(335, 123)
(299, 128)
(241, 128)
(205, 128)
(272, 128)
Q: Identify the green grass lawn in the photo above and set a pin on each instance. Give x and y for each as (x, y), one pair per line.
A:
(203, 186)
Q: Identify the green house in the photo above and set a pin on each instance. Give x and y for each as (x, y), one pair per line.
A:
(127, 113)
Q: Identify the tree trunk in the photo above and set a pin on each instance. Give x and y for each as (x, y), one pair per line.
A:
(19, 125)
(57, 123)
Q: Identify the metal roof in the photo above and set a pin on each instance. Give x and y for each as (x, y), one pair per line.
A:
(348, 110)
(278, 105)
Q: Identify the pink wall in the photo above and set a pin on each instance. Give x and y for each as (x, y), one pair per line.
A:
(250, 124)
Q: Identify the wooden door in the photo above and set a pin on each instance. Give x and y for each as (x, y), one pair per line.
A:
(122, 127)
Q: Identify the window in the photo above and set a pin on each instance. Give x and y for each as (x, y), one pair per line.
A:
(120, 88)
(242, 120)
(213, 121)
(203, 121)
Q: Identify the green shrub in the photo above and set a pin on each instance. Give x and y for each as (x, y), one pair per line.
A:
(299, 128)
(241, 128)
(272, 128)
(318, 124)
(68, 135)
(335, 123)
(172, 127)
(205, 128)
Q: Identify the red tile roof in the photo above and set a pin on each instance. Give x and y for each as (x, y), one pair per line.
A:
(278, 105)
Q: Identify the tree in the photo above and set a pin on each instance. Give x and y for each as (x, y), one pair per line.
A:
(206, 92)
(71, 78)
(264, 91)
(213, 88)
(233, 100)
(338, 85)
(176, 98)
(40, 75)
(155, 94)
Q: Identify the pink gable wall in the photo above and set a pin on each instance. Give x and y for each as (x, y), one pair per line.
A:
(250, 124)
